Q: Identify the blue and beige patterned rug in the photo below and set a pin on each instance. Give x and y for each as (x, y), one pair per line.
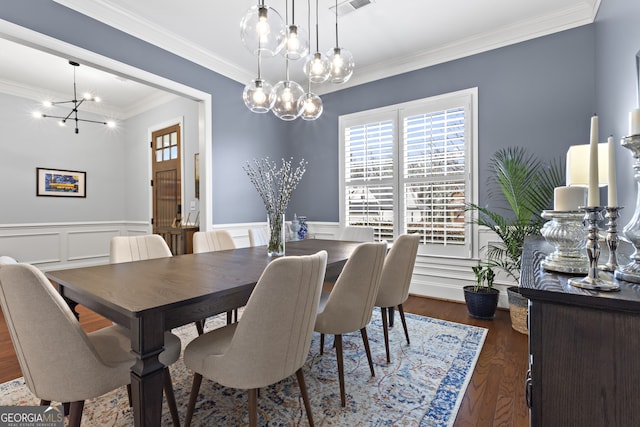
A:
(423, 386)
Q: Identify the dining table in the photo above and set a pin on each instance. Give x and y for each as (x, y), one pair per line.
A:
(153, 296)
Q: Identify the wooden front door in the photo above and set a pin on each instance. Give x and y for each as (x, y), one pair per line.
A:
(166, 173)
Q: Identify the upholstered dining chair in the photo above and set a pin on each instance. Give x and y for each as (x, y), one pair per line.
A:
(348, 306)
(211, 241)
(139, 248)
(356, 233)
(395, 281)
(6, 260)
(258, 236)
(271, 341)
(59, 361)
(214, 240)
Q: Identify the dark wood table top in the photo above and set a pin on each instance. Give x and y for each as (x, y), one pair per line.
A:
(133, 288)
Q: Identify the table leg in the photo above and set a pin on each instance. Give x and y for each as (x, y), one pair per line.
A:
(147, 341)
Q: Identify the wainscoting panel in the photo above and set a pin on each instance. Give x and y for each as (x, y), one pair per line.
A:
(90, 244)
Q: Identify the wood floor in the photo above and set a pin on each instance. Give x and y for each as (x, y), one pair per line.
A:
(495, 396)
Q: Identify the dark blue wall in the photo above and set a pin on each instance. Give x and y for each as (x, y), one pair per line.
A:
(538, 94)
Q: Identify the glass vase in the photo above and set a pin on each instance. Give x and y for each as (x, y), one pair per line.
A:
(276, 234)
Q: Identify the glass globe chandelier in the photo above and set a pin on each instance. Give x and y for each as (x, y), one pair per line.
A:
(262, 30)
(310, 104)
(296, 44)
(317, 67)
(287, 93)
(258, 94)
(341, 60)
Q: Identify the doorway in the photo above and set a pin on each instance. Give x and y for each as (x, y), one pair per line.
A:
(166, 173)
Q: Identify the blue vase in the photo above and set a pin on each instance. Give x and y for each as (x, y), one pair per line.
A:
(302, 233)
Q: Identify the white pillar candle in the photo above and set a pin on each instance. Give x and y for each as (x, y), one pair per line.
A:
(613, 190)
(569, 198)
(594, 191)
(634, 122)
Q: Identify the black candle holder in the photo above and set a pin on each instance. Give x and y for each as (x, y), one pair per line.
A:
(593, 281)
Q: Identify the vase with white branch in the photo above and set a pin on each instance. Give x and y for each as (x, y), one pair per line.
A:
(275, 185)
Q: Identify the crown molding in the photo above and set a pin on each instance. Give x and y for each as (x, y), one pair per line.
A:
(500, 37)
(143, 29)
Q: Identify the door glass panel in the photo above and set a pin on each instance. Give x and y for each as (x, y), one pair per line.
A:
(174, 152)
(159, 142)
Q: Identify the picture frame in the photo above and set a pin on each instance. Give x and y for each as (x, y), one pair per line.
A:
(61, 183)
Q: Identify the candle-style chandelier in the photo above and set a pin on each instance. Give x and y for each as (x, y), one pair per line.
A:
(264, 33)
(75, 103)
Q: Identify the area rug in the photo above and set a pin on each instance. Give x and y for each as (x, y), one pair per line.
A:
(423, 385)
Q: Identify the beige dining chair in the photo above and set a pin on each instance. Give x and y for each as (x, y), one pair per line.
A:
(211, 241)
(348, 306)
(395, 281)
(356, 233)
(271, 341)
(214, 240)
(139, 248)
(59, 361)
(258, 236)
(6, 260)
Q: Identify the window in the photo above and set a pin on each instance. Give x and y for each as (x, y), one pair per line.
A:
(409, 168)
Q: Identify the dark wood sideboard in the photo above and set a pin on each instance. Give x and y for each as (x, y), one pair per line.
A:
(584, 347)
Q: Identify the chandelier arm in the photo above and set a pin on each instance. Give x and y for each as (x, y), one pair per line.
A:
(78, 119)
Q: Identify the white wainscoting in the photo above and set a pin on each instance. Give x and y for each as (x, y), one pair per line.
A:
(52, 246)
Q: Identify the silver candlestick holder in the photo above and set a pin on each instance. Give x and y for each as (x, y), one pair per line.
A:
(631, 271)
(565, 230)
(612, 214)
(593, 281)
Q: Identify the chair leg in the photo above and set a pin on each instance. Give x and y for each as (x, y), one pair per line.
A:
(391, 316)
(75, 413)
(229, 317)
(171, 398)
(305, 396)
(199, 326)
(365, 340)
(193, 397)
(404, 323)
(385, 329)
(338, 342)
(321, 344)
(253, 407)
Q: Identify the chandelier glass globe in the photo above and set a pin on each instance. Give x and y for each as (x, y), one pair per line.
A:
(287, 93)
(262, 30)
(296, 44)
(310, 106)
(317, 68)
(342, 65)
(258, 96)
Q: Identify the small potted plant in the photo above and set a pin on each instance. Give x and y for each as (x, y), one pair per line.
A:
(482, 298)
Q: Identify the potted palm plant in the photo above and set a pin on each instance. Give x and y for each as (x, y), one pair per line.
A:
(520, 187)
(482, 298)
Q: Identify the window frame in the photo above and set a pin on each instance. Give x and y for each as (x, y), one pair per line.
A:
(396, 113)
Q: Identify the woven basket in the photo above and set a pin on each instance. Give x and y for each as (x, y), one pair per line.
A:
(518, 306)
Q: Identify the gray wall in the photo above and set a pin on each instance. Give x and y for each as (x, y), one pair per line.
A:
(617, 42)
(29, 143)
(537, 94)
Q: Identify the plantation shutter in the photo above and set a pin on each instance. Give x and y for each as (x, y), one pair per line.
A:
(369, 173)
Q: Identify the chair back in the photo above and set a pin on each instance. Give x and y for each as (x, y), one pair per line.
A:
(6, 260)
(351, 300)
(137, 248)
(356, 233)
(209, 241)
(397, 271)
(273, 336)
(258, 236)
(58, 361)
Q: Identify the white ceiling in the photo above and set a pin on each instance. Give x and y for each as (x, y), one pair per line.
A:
(386, 38)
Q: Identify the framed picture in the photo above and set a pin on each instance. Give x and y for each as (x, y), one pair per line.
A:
(60, 183)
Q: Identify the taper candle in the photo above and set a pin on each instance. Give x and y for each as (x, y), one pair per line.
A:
(594, 191)
(634, 122)
(613, 190)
